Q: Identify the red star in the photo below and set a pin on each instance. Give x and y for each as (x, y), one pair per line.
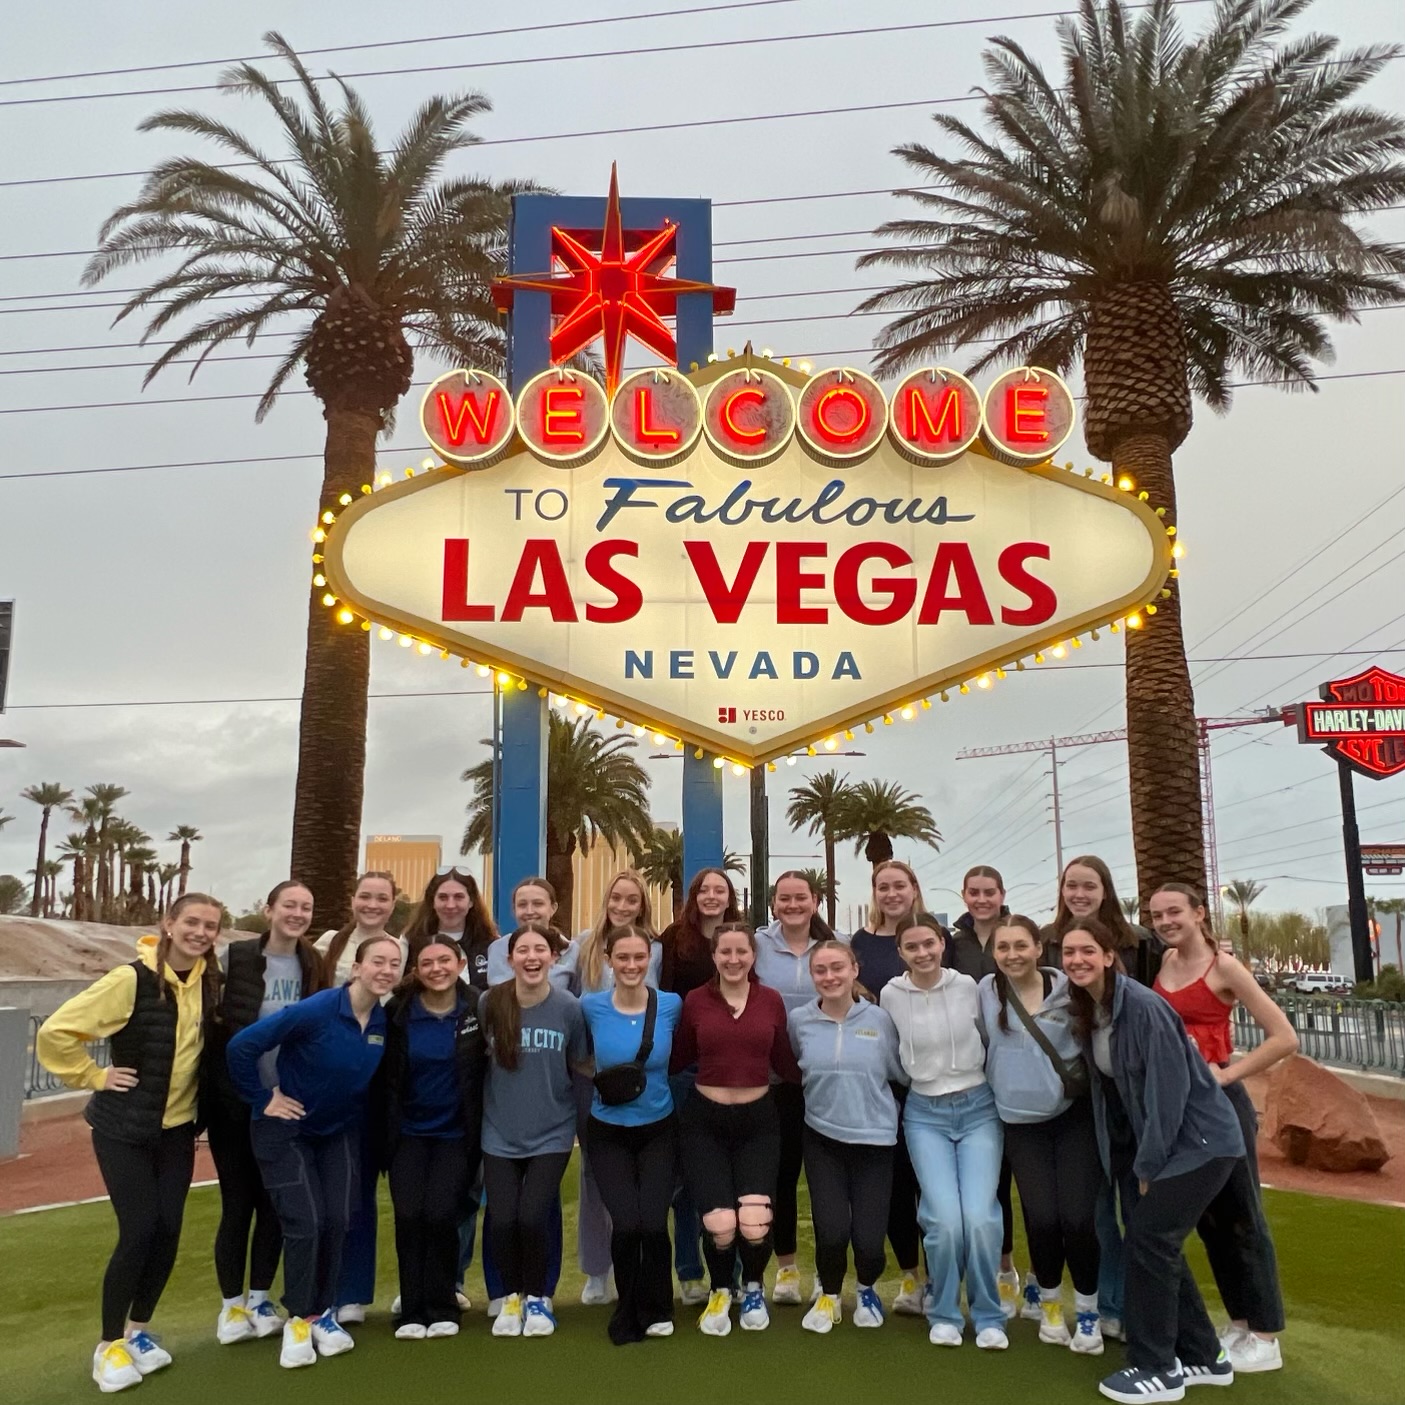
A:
(610, 295)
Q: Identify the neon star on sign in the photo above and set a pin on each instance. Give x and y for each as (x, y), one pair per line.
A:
(612, 294)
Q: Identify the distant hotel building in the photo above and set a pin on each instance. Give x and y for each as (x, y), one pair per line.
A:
(413, 859)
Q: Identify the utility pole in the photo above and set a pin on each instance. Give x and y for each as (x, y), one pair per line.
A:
(1058, 821)
(1355, 879)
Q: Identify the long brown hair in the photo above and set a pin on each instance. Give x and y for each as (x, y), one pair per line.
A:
(211, 977)
(1196, 899)
(478, 926)
(309, 958)
(593, 948)
(919, 903)
(688, 940)
(1002, 982)
(502, 1012)
(343, 935)
(1084, 1008)
(410, 983)
(1109, 912)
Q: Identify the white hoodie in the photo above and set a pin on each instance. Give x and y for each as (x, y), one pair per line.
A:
(939, 1037)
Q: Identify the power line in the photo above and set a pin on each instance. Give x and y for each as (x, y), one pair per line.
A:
(230, 702)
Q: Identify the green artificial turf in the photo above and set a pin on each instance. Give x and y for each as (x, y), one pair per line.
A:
(1340, 1261)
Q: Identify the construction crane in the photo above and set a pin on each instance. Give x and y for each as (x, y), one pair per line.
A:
(1204, 726)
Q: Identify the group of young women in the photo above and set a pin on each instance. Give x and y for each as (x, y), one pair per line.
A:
(912, 1074)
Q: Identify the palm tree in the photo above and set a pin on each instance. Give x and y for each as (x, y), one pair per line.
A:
(366, 250)
(820, 881)
(166, 875)
(74, 850)
(818, 805)
(51, 871)
(185, 835)
(104, 797)
(47, 795)
(594, 790)
(1174, 214)
(141, 858)
(1132, 909)
(877, 812)
(660, 862)
(4, 819)
(12, 893)
(1243, 892)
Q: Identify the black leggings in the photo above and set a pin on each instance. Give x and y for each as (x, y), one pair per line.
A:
(1236, 1234)
(243, 1203)
(429, 1179)
(521, 1191)
(636, 1169)
(849, 1189)
(1007, 1208)
(147, 1183)
(731, 1150)
(903, 1232)
(790, 1113)
(1059, 1176)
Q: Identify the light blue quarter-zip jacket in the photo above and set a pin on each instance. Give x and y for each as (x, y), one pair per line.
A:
(1026, 1084)
(780, 968)
(845, 1071)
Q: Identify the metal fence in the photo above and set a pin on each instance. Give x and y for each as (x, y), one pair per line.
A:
(38, 1081)
(1362, 1034)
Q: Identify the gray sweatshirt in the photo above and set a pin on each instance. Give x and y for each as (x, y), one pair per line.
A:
(780, 968)
(1026, 1085)
(845, 1072)
(939, 1036)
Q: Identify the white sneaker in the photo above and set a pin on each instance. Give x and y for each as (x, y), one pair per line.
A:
(1251, 1353)
(1029, 1305)
(716, 1319)
(1231, 1335)
(693, 1291)
(1052, 1327)
(822, 1317)
(754, 1317)
(597, 1290)
(1087, 1335)
(114, 1369)
(786, 1291)
(351, 1313)
(462, 1299)
(1111, 1328)
(908, 1301)
(495, 1307)
(992, 1339)
(1008, 1282)
(234, 1324)
(537, 1318)
(267, 1318)
(442, 1329)
(868, 1310)
(508, 1320)
(411, 1332)
(147, 1353)
(395, 1306)
(659, 1329)
(944, 1334)
(298, 1349)
(329, 1336)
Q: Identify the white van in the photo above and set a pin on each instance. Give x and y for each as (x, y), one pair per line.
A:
(1316, 982)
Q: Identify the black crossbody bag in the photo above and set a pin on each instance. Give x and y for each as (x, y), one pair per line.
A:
(1075, 1079)
(623, 1083)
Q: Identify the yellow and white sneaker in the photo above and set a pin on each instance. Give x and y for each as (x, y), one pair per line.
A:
(114, 1369)
(823, 1316)
(508, 1322)
(298, 1349)
(1008, 1281)
(1052, 1327)
(716, 1319)
(235, 1324)
(786, 1291)
(908, 1301)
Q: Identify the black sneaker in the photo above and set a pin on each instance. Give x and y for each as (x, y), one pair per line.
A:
(1221, 1373)
(1134, 1385)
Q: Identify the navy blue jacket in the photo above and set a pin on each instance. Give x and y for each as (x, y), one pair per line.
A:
(325, 1059)
(1179, 1115)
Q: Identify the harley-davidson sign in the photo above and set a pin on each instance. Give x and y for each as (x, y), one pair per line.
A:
(1361, 721)
(748, 558)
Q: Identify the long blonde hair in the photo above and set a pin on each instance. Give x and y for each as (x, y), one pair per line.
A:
(591, 952)
(919, 903)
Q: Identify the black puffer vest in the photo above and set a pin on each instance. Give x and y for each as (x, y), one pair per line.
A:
(147, 1043)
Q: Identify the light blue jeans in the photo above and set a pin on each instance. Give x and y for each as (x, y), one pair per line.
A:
(955, 1142)
(1112, 1270)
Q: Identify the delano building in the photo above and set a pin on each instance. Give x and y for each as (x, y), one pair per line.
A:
(411, 858)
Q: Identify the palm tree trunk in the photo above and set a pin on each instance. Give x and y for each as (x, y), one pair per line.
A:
(1162, 756)
(185, 867)
(829, 873)
(34, 900)
(562, 877)
(332, 721)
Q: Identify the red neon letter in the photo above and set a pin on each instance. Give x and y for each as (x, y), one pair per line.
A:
(562, 421)
(555, 594)
(949, 405)
(954, 559)
(846, 395)
(1025, 409)
(901, 590)
(455, 427)
(455, 603)
(599, 566)
(648, 433)
(791, 580)
(1042, 601)
(725, 600)
(747, 395)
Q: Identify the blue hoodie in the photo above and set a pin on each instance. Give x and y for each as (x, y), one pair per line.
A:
(1026, 1085)
(325, 1059)
(780, 968)
(845, 1071)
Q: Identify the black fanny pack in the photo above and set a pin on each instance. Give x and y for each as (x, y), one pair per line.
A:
(623, 1083)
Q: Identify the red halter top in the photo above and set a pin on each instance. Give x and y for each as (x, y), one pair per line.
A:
(1204, 1014)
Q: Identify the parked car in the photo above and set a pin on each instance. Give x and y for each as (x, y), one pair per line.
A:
(1320, 983)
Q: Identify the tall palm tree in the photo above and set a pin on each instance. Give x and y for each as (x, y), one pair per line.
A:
(660, 862)
(1174, 214)
(141, 859)
(366, 250)
(166, 875)
(104, 796)
(1390, 907)
(51, 871)
(818, 805)
(594, 789)
(74, 850)
(1243, 893)
(48, 795)
(185, 835)
(877, 812)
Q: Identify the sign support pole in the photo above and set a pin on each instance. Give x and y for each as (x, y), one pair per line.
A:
(702, 815)
(760, 847)
(1355, 879)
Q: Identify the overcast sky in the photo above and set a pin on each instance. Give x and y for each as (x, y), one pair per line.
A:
(143, 595)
